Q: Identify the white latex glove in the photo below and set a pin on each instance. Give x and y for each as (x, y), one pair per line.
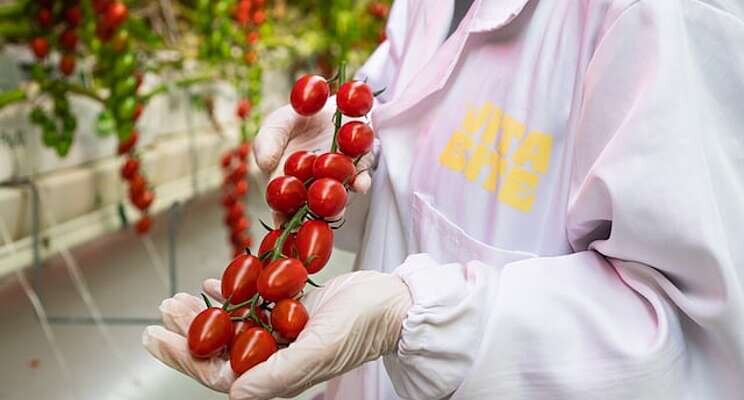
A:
(284, 131)
(354, 318)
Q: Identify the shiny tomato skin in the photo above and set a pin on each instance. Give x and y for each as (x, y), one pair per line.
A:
(355, 138)
(128, 144)
(282, 279)
(286, 194)
(209, 333)
(309, 94)
(234, 213)
(300, 165)
(268, 242)
(239, 278)
(130, 168)
(251, 347)
(326, 197)
(40, 47)
(335, 166)
(115, 14)
(354, 99)
(144, 200)
(314, 244)
(288, 318)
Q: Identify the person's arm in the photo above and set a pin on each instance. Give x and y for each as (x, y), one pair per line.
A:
(656, 217)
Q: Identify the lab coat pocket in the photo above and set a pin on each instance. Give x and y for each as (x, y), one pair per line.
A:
(435, 234)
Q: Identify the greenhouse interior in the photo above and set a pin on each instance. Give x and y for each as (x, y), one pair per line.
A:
(372, 199)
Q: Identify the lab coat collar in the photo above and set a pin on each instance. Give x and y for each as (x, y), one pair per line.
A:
(486, 15)
(494, 14)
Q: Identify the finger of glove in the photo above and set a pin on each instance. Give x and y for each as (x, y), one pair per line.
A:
(172, 349)
(178, 311)
(284, 127)
(287, 372)
(272, 138)
(213, 289)
(363, 180)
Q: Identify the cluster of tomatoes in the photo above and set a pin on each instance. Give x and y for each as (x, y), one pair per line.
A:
(234, 188)
(262, 291)
(55, 22)
(47, 14)
(250, 15)
(379, 11)
(140, 194)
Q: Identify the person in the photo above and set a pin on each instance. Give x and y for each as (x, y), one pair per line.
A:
(556, 212)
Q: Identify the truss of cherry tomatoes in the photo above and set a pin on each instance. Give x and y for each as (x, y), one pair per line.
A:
(262, 308)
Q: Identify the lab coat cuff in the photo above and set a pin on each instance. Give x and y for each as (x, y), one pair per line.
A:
(441, 330)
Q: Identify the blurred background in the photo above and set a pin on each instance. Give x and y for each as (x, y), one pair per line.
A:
(116, 118)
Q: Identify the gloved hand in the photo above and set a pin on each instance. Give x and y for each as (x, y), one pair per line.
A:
(354, 318)
(284, 131)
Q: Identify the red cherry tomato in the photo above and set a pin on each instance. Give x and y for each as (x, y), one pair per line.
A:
(115, 14)
(244, 107)
(300, 165)
(143, 225)
(130, 168)
(234, 213)
(40, 47)
(104, 32)
(73, 16)
(251, 37)
(127, 145)
(137, 185)
(240, 241)
(239, 278)
(67, 64)
(144, 200)
(243, 312)
(288, 318)
(68, 39)
(335, 166)
(355, 138)
(242, 151)
(259, 17)
(309, 94)
(314, 244)
(286, 194)
(282, 279)
(226, 159)
(252, 347)
(269, 241)
(240, 225)
(45, 18)
(99, 6)
(228, 199)
(209, 333)
(239, 172)
(326, 197)
(240, 189)
(354, 98)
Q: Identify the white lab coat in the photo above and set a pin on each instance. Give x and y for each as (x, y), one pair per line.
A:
(561, 186)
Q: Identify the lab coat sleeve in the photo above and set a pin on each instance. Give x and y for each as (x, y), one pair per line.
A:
(656, 219)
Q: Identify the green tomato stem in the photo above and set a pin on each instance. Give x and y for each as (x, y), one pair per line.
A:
(337, 115)
(293, 224)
